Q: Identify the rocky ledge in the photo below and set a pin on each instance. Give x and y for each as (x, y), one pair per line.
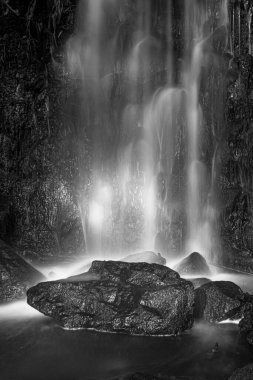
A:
(115, 296)
(16, 275)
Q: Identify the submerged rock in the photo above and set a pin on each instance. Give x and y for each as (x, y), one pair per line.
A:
(134, 298)
(16, 275)
(145, 257)
(217, 301)
(193, 264)
(245, 373)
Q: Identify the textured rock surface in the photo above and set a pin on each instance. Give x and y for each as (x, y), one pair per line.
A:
(146, 257)
(16, 275)
(193, 264)
(245, 373)
(135, 298)
(218, 300)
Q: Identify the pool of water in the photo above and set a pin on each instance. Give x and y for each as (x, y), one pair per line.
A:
(34, 347)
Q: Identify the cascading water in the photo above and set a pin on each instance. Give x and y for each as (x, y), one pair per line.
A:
(201, 213)
(149, 186)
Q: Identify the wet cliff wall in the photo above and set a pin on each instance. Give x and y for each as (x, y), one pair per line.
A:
(38, 212)
(236, 177)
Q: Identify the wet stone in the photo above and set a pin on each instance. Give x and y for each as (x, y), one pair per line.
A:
(133, 298)
(217, 301)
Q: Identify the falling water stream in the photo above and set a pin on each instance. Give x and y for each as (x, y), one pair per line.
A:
(147, 185)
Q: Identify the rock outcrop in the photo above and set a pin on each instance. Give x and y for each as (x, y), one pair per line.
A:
(134, 298)
(193, 264)
(16, 275)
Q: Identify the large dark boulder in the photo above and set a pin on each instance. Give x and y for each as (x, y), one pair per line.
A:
(134, 298)
(193, 264)
(245, 373)
(16, 275)
(217, 301)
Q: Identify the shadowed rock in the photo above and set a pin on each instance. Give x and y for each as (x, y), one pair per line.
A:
(194, 264)
(16, 275)
(134, 298)
(218, 301)
(245, 373)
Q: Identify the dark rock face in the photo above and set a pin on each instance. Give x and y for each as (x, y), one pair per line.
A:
(245, 373)
(193, 264)
(145, 257)
(218, 301)
(197, 282)
(16, 275)
(134, 298)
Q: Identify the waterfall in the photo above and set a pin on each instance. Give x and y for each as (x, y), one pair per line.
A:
(201, 213)
(149, 186)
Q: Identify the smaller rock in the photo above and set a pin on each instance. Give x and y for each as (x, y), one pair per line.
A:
(192, 265)
(217, 301)
(145, 257)
(199, 281)
(245, 373)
